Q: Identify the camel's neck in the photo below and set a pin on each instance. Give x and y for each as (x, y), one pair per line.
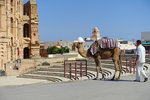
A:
(83, 53)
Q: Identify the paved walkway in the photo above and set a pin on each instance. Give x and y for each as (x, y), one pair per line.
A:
(124, 89)
(14, 81)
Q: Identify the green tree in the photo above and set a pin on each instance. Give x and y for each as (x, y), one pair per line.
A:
(52, 50)
(55, 50)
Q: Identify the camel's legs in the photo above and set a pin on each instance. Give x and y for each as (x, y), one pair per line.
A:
(101, 69)
(120, 67)
(115, 60)
(116, 69)
(98, 68)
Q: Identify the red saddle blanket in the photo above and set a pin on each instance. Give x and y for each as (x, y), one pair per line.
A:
(103, 43)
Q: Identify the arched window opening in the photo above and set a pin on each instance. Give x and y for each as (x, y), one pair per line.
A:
(34, 34)
(11, 10)
(11, 25)
(11, 1)
(11, 41)
(11, 22)
(26, 30)
(26, 53)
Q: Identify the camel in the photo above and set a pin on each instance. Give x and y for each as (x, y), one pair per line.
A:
(102, 54)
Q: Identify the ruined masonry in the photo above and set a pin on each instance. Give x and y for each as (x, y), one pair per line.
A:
(19, 31)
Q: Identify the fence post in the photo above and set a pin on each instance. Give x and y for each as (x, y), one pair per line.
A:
(133, 66)
(64, 69)
(86, 67)
(127, 65)
(80, 69)
(70, 71)
(130, 66)
(75, 70)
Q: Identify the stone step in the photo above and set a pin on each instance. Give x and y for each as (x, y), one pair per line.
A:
(41, 77)
(56, 73)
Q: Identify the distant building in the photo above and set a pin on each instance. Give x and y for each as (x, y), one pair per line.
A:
(87, 44)
(95, 34)
(68, 44)
(145, 37)
(127, 46)
(43, 51)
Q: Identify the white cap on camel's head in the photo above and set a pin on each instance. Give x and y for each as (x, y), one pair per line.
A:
(80, 39)
(75, 41)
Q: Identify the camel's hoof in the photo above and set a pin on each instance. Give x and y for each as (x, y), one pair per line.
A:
(103, 79)
(117, 78)
(112, 79)
(95, 79)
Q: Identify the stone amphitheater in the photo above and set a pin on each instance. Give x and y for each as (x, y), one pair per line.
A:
(55, 73)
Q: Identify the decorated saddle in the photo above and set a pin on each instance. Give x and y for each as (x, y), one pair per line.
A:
(103, 43)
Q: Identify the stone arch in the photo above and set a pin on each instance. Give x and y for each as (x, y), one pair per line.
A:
(26, 52)
(34, 34)
(11, 1)
(11, 10)
(11, 20)
(18, 8)
(18, 2)
(11, 41)
(26, 30)
(11, 48)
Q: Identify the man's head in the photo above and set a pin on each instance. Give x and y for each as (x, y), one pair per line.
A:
(138, 42)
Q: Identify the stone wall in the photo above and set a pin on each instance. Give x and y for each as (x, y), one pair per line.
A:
(27, 65)
(19, 33)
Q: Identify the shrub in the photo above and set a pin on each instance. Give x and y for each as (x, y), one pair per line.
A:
(52, 50)
(45, 64)
(39, 65)
(55, 50)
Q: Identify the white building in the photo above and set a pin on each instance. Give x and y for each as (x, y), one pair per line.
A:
(127, 46)
(145, 37)
(87, 44)
(68, 44)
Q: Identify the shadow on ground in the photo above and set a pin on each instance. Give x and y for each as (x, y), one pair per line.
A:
(122, 80)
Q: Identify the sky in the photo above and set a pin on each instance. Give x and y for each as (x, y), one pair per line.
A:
(69, 19)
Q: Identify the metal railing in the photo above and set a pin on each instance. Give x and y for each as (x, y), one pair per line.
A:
(78, 67)
(130, 66)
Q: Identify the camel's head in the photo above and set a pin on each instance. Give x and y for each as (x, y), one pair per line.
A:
(78, 43)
